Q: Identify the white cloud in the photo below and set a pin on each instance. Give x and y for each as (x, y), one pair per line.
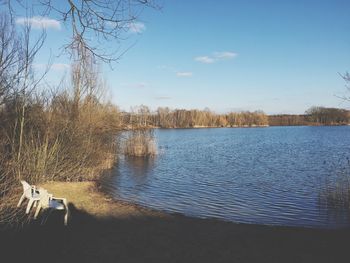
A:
(184, 74)
(137, 27)
(39, 22)
(205, 59)
(215, 57)
(224, 55)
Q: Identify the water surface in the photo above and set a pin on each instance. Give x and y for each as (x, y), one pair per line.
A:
(274, 175)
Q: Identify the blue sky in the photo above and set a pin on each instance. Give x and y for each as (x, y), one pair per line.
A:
(277, 56)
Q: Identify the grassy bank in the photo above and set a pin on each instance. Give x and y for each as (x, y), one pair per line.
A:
(103, 230)
(85, 196)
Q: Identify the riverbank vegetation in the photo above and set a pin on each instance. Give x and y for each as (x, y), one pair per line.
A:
(164, 117)
(67, 133)
(64, 133)
(315, 116)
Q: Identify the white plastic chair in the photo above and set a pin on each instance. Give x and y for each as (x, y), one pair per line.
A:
(48, 201)
(29, 192)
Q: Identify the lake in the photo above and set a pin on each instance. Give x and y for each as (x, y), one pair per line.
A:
(274, 175)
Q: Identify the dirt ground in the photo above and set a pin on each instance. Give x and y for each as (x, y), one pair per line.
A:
(103, 230)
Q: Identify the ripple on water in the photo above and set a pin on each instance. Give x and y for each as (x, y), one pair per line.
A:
(265, 176)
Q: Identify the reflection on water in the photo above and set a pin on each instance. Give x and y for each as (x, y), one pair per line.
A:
(139, 167)
(132, 175)
(264, 175)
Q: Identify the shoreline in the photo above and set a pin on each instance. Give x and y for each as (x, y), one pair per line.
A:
(168, 213)
(93, 190)
(243, 126)
(101, 229)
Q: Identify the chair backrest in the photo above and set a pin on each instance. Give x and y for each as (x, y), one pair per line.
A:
(44, 197)
(27, 189)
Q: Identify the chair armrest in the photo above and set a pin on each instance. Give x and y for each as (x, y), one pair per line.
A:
(59, 198)
(64, 200)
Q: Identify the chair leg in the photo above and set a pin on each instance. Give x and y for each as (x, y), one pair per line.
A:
(37, 211)
(29, 206)
(67, 212)
(66, 218)
(21, 200)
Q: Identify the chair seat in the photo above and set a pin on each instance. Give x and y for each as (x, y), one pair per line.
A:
(56, 205)
(36, 195)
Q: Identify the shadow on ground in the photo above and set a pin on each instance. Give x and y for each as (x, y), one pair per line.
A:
(170, 239)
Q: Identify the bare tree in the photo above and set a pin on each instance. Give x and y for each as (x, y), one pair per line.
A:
(92, 21)
(346, 78)
(9, 57)
(17, 82)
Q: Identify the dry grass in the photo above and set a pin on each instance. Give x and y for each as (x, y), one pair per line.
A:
(87, 197)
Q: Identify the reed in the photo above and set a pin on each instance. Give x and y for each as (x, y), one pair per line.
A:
(140, 143)
(335, 195)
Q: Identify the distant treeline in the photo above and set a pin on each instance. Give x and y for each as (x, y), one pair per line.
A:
(164, 117)
(313, 116)
(180, 118)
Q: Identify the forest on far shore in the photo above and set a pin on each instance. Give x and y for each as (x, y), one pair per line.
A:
(164, 117)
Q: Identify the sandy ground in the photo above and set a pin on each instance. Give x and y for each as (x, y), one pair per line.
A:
(103, 230)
